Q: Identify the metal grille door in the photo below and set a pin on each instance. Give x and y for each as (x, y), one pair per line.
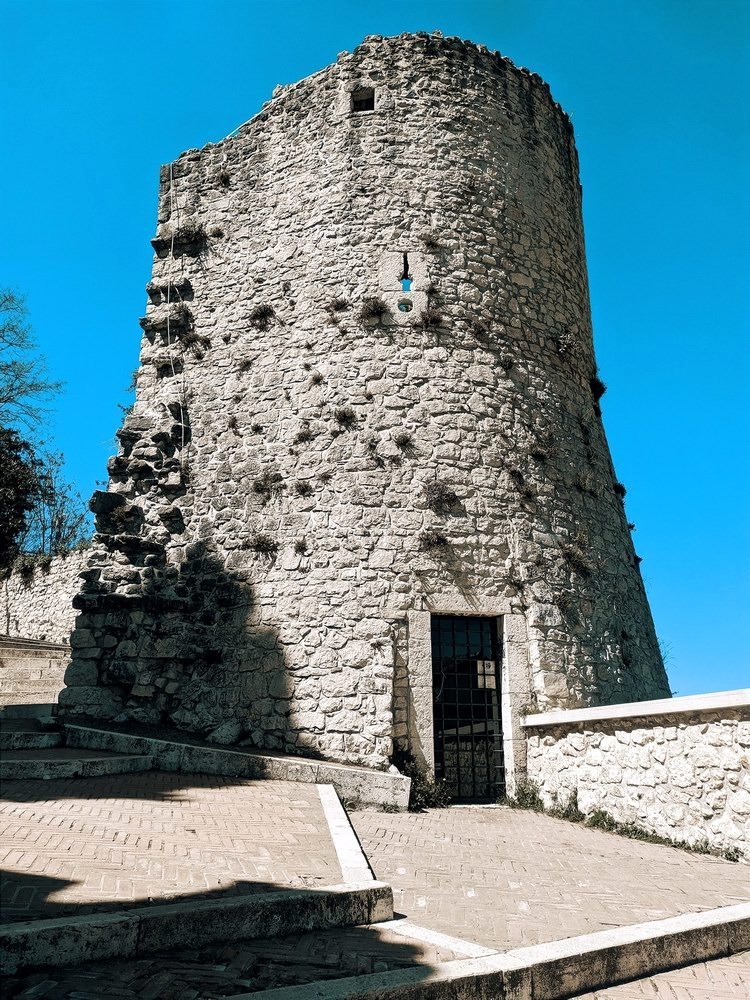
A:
(466, 707)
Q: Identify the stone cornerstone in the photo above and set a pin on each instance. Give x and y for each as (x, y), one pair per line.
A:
(679, 768)
(367, 394)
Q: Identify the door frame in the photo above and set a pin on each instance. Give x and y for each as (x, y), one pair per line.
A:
(515, 683)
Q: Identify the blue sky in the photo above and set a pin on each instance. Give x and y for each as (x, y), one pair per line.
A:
(102, 93)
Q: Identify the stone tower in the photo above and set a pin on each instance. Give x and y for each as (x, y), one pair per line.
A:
(366, 469)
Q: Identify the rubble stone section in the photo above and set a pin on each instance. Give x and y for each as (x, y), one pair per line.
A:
(39, 604)
(309, 459)
(684, 776)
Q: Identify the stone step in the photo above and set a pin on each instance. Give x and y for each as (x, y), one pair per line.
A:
(552, 971)
(13, 654)
(132, 933)
(31, 677)
(63, 762)
(34, 708)
(29, 683)
(17, 640)
(33, 667)
(228, 967)
(36, 740)
(24, 725)
(353, 784)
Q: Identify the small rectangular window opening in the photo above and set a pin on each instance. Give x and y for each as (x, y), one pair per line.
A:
(363, 99)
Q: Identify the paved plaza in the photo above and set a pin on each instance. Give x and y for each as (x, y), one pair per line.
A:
(493, 878)
(508, 878)
(79, 845)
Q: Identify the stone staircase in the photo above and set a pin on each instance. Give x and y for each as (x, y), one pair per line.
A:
(31, 750)
(31, 743)
(31, 677)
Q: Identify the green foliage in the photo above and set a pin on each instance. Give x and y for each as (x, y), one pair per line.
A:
(577, 559)
(19, 491)
(337, 305)
(526, 796)
(304, 435)
(598, 388)
(57, 519)
(193, 234)
(425, 793)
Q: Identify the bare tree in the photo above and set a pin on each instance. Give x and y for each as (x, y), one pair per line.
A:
(59, 519)
(24, 385)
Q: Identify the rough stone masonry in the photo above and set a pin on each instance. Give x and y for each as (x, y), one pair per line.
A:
(367, 393)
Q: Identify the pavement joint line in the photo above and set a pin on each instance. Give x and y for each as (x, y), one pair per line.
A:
(406, 928)
(352, 859)
(550, 971)
(132, 932)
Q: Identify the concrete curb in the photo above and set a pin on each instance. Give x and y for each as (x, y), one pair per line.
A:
(352, 859)
(135, 932)
(549, 971)
(352, 783)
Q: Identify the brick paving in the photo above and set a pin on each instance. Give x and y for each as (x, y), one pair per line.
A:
(724, 979)
(79, 845)
(507, 878)
(241, 967)
(497, 877)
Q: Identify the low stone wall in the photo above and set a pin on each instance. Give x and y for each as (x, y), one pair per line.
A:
(39, 605)
(678, 767)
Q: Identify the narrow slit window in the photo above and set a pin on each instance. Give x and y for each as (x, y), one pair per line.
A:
(406, 279)
(363, 99)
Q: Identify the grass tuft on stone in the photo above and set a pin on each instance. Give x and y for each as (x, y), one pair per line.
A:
(261, 316)
(424, 793)
(527, 796)
(440, 498)
(264, 545)
(345, 417)
(373, 308)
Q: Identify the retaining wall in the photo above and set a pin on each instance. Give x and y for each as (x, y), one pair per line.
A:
(40, 605)
(677, 767)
